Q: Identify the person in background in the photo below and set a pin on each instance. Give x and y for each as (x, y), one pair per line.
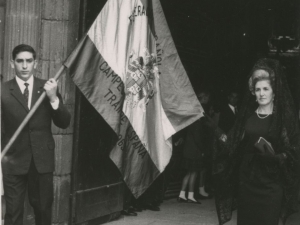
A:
(152, 197)
(207, 136)
(193, 155)
(128, 199)
(229, 112)
(173, 172)
(261, 182)
(192, 162)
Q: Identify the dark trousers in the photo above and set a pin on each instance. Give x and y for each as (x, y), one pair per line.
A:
(127, 198)
(154, 193)
(40, 195)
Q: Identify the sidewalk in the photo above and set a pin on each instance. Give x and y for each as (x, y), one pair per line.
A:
(174, 213)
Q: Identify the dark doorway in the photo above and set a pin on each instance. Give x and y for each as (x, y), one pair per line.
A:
(97, 186)
(218, 42)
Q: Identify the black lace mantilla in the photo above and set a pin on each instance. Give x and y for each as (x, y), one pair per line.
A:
(284, 131)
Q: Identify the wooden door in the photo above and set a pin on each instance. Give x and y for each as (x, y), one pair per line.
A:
(97, 185)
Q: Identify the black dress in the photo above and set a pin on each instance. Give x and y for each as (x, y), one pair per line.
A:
(260, 193)
(194, 146)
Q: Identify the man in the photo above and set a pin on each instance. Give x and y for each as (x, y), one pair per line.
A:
(229, 112)
(30, 160)
(204, 99)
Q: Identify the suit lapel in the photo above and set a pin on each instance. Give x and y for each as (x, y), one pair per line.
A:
(16, 92)
(36, 91)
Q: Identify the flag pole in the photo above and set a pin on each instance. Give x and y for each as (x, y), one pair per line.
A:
(29, 115)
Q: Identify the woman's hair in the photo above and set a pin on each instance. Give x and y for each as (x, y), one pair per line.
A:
(265, 74)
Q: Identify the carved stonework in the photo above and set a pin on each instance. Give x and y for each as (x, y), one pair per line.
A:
(284, 45)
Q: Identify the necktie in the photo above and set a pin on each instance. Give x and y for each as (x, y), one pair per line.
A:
(26, 93)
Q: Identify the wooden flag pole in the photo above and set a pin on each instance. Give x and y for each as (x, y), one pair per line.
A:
(29, 115)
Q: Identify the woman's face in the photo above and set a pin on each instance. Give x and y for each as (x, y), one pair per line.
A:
(264, 92)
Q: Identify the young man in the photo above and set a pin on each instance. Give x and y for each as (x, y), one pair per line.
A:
(30, 160)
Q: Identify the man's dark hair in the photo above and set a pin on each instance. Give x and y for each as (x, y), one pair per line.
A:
(23, 48)
(233, 91)
(204, 91)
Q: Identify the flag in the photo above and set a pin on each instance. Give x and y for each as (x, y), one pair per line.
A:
(128, 68)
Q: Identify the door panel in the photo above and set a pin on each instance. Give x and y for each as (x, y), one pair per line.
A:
(97, 185)
(97, 202)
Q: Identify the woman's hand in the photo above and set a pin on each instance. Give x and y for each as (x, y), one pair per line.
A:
(268, 158)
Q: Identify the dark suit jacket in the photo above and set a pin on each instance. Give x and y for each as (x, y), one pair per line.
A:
(195, 142)
(36, 140)
(226, 119)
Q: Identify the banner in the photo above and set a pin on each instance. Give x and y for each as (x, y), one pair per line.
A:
(128, 68)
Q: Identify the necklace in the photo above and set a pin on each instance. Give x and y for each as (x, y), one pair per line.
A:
(261, 117)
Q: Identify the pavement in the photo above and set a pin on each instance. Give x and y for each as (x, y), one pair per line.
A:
(174, 213)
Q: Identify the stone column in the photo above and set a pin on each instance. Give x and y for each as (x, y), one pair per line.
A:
(22, 24)
(2, 22)
(59, 32)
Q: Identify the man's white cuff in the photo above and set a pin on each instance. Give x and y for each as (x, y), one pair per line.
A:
(55, 103)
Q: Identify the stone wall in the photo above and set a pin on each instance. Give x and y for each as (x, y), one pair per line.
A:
(2, 22)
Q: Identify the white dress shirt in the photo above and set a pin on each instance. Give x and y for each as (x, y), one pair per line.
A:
(232, 108)
(22, 86)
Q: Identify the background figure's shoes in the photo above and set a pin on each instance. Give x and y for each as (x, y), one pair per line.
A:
(192, 201)
(128, 213)
(181, 200)
(135, 208)
(156, 202)
(138, 207)
(151, 207)
(204, 197)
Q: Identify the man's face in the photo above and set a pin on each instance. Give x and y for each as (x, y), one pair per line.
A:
(203, 98)
(24, 65)
(233, 99)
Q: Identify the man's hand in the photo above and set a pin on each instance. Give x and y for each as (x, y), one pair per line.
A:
(51, 88)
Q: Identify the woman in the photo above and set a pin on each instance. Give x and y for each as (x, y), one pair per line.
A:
(192, 162)
(207, 139)
(261, 185)
(193, 156)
